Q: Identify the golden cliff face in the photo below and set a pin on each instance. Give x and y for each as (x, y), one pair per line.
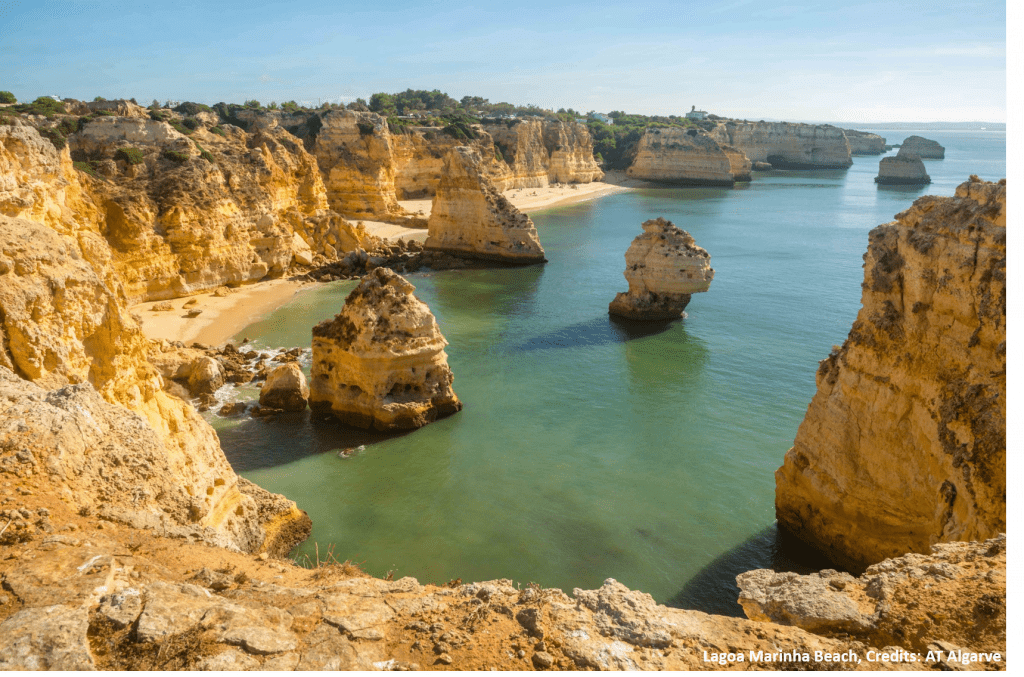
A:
(788, 145)
(62, 323)
(537, 153)
(904, 444)
(684, 156)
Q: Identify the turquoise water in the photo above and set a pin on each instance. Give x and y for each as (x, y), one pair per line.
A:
(590, 448)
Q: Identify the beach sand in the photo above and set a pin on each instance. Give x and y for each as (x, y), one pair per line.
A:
(223, 317)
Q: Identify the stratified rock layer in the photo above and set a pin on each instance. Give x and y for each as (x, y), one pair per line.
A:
(904, 443)
(664, 266)
(380, 363)
(924, 148)
(684, 156)
(787, 145)
(904, 168)
(470, 217)
(864, 143)
(895, 602)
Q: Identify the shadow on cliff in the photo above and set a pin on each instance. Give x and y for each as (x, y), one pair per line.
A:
(713, 590)
(268, 442)
(599, 331)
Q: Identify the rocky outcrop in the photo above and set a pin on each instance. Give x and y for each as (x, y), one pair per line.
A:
(535, 153)
(470, 217)
(895, 602)
(664, 266)
(81, 398)
(285, 388)
(739, 164)
(904, 443)
(924, 148)
(570, 152)
(683, 156)
(179, 214)
(380, 363)
(902, 169)
(864, 143)
(787, 145)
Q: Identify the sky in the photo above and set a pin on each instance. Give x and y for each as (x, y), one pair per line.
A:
(902, 60)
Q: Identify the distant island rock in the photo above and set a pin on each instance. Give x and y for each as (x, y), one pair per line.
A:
(865, 143)
(925, 148)
(380, 363)
(471, 217)
(904, 168)
(664, 266)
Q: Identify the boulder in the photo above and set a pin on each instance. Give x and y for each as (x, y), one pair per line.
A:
(380, 363)
(905, 168)
(664, 267)
(285, 388)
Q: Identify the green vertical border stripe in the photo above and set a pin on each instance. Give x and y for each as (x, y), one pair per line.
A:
(1015, 322)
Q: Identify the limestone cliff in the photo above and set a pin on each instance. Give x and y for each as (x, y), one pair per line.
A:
(925, 148)
(470, 217)
(739, 164)
(684, 156)
(380, 362)
(904, 443)
(864, 143)
(177, 214)
(536, 153)
(64, 328)
(664, 266)
(787, 145)
(902, 169)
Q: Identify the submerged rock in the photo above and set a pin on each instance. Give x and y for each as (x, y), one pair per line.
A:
(470, 217)
(904, 169)
(285, 388)
(380, 363)
(925, 148)
(664, 266)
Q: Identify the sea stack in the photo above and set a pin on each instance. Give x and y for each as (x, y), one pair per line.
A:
(904, 443)
(471, 217)
(664, 267)
(925, 148)
(285, 388)
(902, 169)
(686, 157)
(380, 363)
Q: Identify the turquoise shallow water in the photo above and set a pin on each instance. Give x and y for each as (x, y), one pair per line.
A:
(590, 448)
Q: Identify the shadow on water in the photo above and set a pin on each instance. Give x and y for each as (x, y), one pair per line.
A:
(914, 189)
(713, 590)
(256, 443)
(595, 332)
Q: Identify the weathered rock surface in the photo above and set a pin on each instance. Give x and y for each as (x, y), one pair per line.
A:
(664, 266)
(685, 156)
(924, 148)
(285, 388)
(957, 594)
(864, 143)
(535, 153)
(904, 443)
(380, 362)
(905, 168)
(787, 145)
(470, 217)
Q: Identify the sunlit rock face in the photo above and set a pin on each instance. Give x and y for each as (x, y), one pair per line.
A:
(664, 266)
(685, 156)
(904, 443)
(864, 143)
(380, 363)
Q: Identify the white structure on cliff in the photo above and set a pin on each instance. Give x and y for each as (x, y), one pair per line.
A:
(695, 114)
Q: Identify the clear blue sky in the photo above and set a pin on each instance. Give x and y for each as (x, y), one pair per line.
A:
(846, 61)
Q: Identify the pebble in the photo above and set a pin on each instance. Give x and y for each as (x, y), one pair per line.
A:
(542, 659)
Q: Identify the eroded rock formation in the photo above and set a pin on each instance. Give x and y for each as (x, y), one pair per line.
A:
(285, 388)
(904, 443)
(904, 168)
(380, 363)
(470, 217)
(787, 145)
(924, 148)
(664, 266)
(684, 156)
(864, 143)
(895, 602)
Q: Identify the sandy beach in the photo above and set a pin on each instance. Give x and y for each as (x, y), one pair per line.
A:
(222, 317)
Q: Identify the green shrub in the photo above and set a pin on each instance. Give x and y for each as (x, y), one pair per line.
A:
(205, 154)
(69, 126)
(44, 105)
(99, 98)
(88, 169)
(159, 116)
(252, 103)
(132, 156)
(102, 113)
(7, 97)
(6, 119)
(179, 127)
(56, 138)
(191, 123)
(365, 128)
(191, 108)
(176, 155)
(218, 130)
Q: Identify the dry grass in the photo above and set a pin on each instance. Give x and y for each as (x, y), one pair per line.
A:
(328, 566)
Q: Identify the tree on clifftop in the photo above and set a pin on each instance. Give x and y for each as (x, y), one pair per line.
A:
(7, 97)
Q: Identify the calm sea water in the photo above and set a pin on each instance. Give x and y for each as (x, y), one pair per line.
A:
(590, 448)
